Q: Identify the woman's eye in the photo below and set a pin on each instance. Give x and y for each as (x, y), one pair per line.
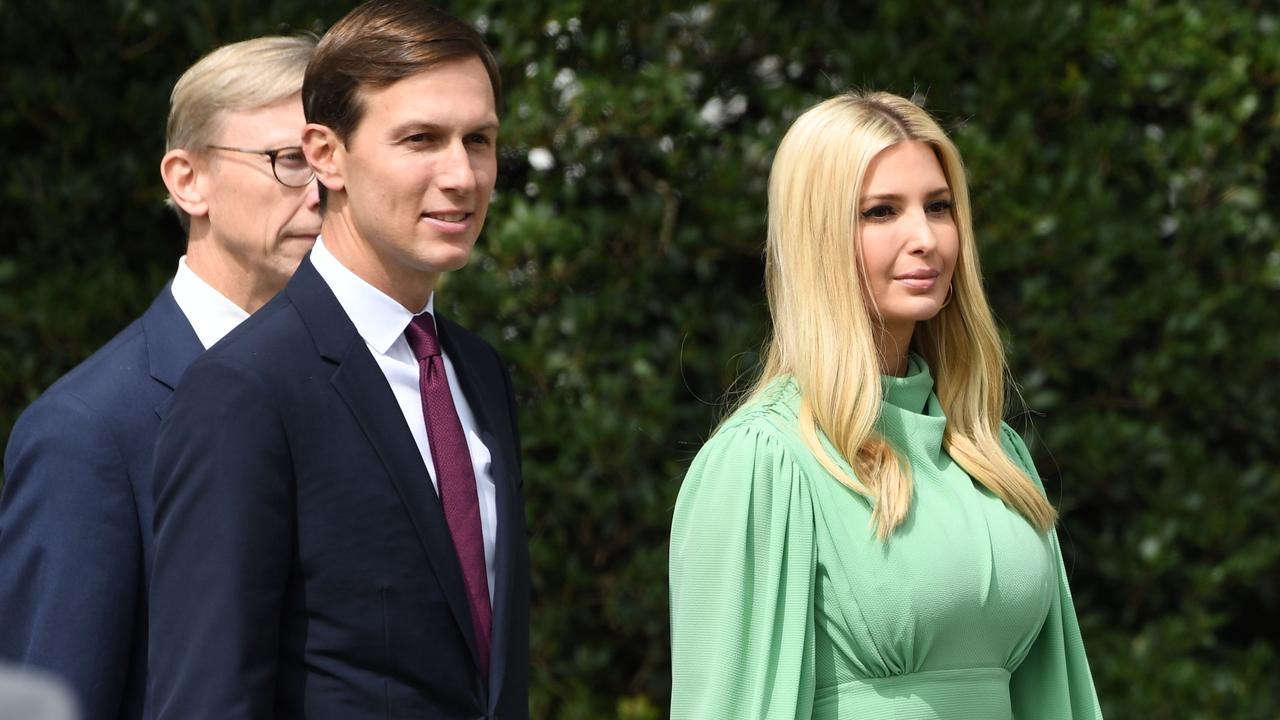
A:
(879, 212)
(939, 207)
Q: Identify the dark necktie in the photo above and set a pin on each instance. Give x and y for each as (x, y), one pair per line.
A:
(456, 479)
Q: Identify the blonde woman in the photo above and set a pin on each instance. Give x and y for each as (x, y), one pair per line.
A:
(864, 537)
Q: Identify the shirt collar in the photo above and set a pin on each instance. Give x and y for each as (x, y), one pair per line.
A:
(378, 318)
(210, 313)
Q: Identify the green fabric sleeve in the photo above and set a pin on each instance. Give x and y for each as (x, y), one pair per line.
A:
(1053, 682)
(742, 582)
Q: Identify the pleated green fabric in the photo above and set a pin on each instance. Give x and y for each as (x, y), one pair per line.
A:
(785, 605)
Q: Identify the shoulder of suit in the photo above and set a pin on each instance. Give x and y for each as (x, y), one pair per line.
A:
(109, 369)
(112, 390)
(274, 326)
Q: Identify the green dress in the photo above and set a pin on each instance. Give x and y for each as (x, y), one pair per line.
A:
(785, 605)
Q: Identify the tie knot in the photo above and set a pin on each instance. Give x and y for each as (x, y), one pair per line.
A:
(421, 334)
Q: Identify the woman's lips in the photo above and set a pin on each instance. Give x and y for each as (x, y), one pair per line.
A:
(919, 279)
(918, 283)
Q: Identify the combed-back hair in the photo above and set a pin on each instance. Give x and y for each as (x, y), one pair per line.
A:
(377, 44)
(241, 76)
(824, 333)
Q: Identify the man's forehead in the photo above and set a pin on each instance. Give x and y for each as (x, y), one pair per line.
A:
(277, 123)
(417, 98)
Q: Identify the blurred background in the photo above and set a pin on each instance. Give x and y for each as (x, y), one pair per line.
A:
(1124, 159)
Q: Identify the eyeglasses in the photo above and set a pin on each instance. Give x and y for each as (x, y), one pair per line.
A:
(288, 164)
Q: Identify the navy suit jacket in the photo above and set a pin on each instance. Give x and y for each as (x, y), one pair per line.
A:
(75, 516)
(304, 568)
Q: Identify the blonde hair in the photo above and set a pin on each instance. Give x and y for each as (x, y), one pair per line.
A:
(824, 333)
(241, 76)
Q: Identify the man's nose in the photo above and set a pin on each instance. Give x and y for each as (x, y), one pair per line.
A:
(456, 171)
(312, 191)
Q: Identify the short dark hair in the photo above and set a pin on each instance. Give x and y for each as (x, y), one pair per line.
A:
(378, 43)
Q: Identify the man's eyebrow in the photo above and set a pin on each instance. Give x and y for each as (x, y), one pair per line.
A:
(282, 144)
(420, 125)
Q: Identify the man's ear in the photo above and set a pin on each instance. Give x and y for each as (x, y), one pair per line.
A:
(325, 153)
(182, 179)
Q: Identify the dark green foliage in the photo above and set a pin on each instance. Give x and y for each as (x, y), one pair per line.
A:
(1124, 160)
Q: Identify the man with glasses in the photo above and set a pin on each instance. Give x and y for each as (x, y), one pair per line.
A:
(76, 512)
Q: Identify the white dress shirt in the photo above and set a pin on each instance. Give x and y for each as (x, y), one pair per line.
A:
(381, 321)
(210, 313)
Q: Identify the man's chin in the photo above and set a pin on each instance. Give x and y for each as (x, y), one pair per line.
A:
(445, 265)
(447, 257)
(289, 255)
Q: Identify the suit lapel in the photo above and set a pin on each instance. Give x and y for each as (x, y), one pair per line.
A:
(363, 387)
(481, 397)
(172, 343)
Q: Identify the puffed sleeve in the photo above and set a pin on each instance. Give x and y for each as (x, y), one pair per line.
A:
(742, 582)
(1053, 682)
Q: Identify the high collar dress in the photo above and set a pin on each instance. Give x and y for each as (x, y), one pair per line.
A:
(784, 604)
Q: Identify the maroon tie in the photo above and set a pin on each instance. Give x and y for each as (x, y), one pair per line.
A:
(456, 479)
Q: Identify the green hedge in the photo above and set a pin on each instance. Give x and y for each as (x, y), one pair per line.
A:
(1124, 165)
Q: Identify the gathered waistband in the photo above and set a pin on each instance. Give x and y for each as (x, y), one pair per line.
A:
(979, 693)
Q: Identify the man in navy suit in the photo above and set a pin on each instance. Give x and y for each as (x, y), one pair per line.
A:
(76, 512)
(339, 514)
